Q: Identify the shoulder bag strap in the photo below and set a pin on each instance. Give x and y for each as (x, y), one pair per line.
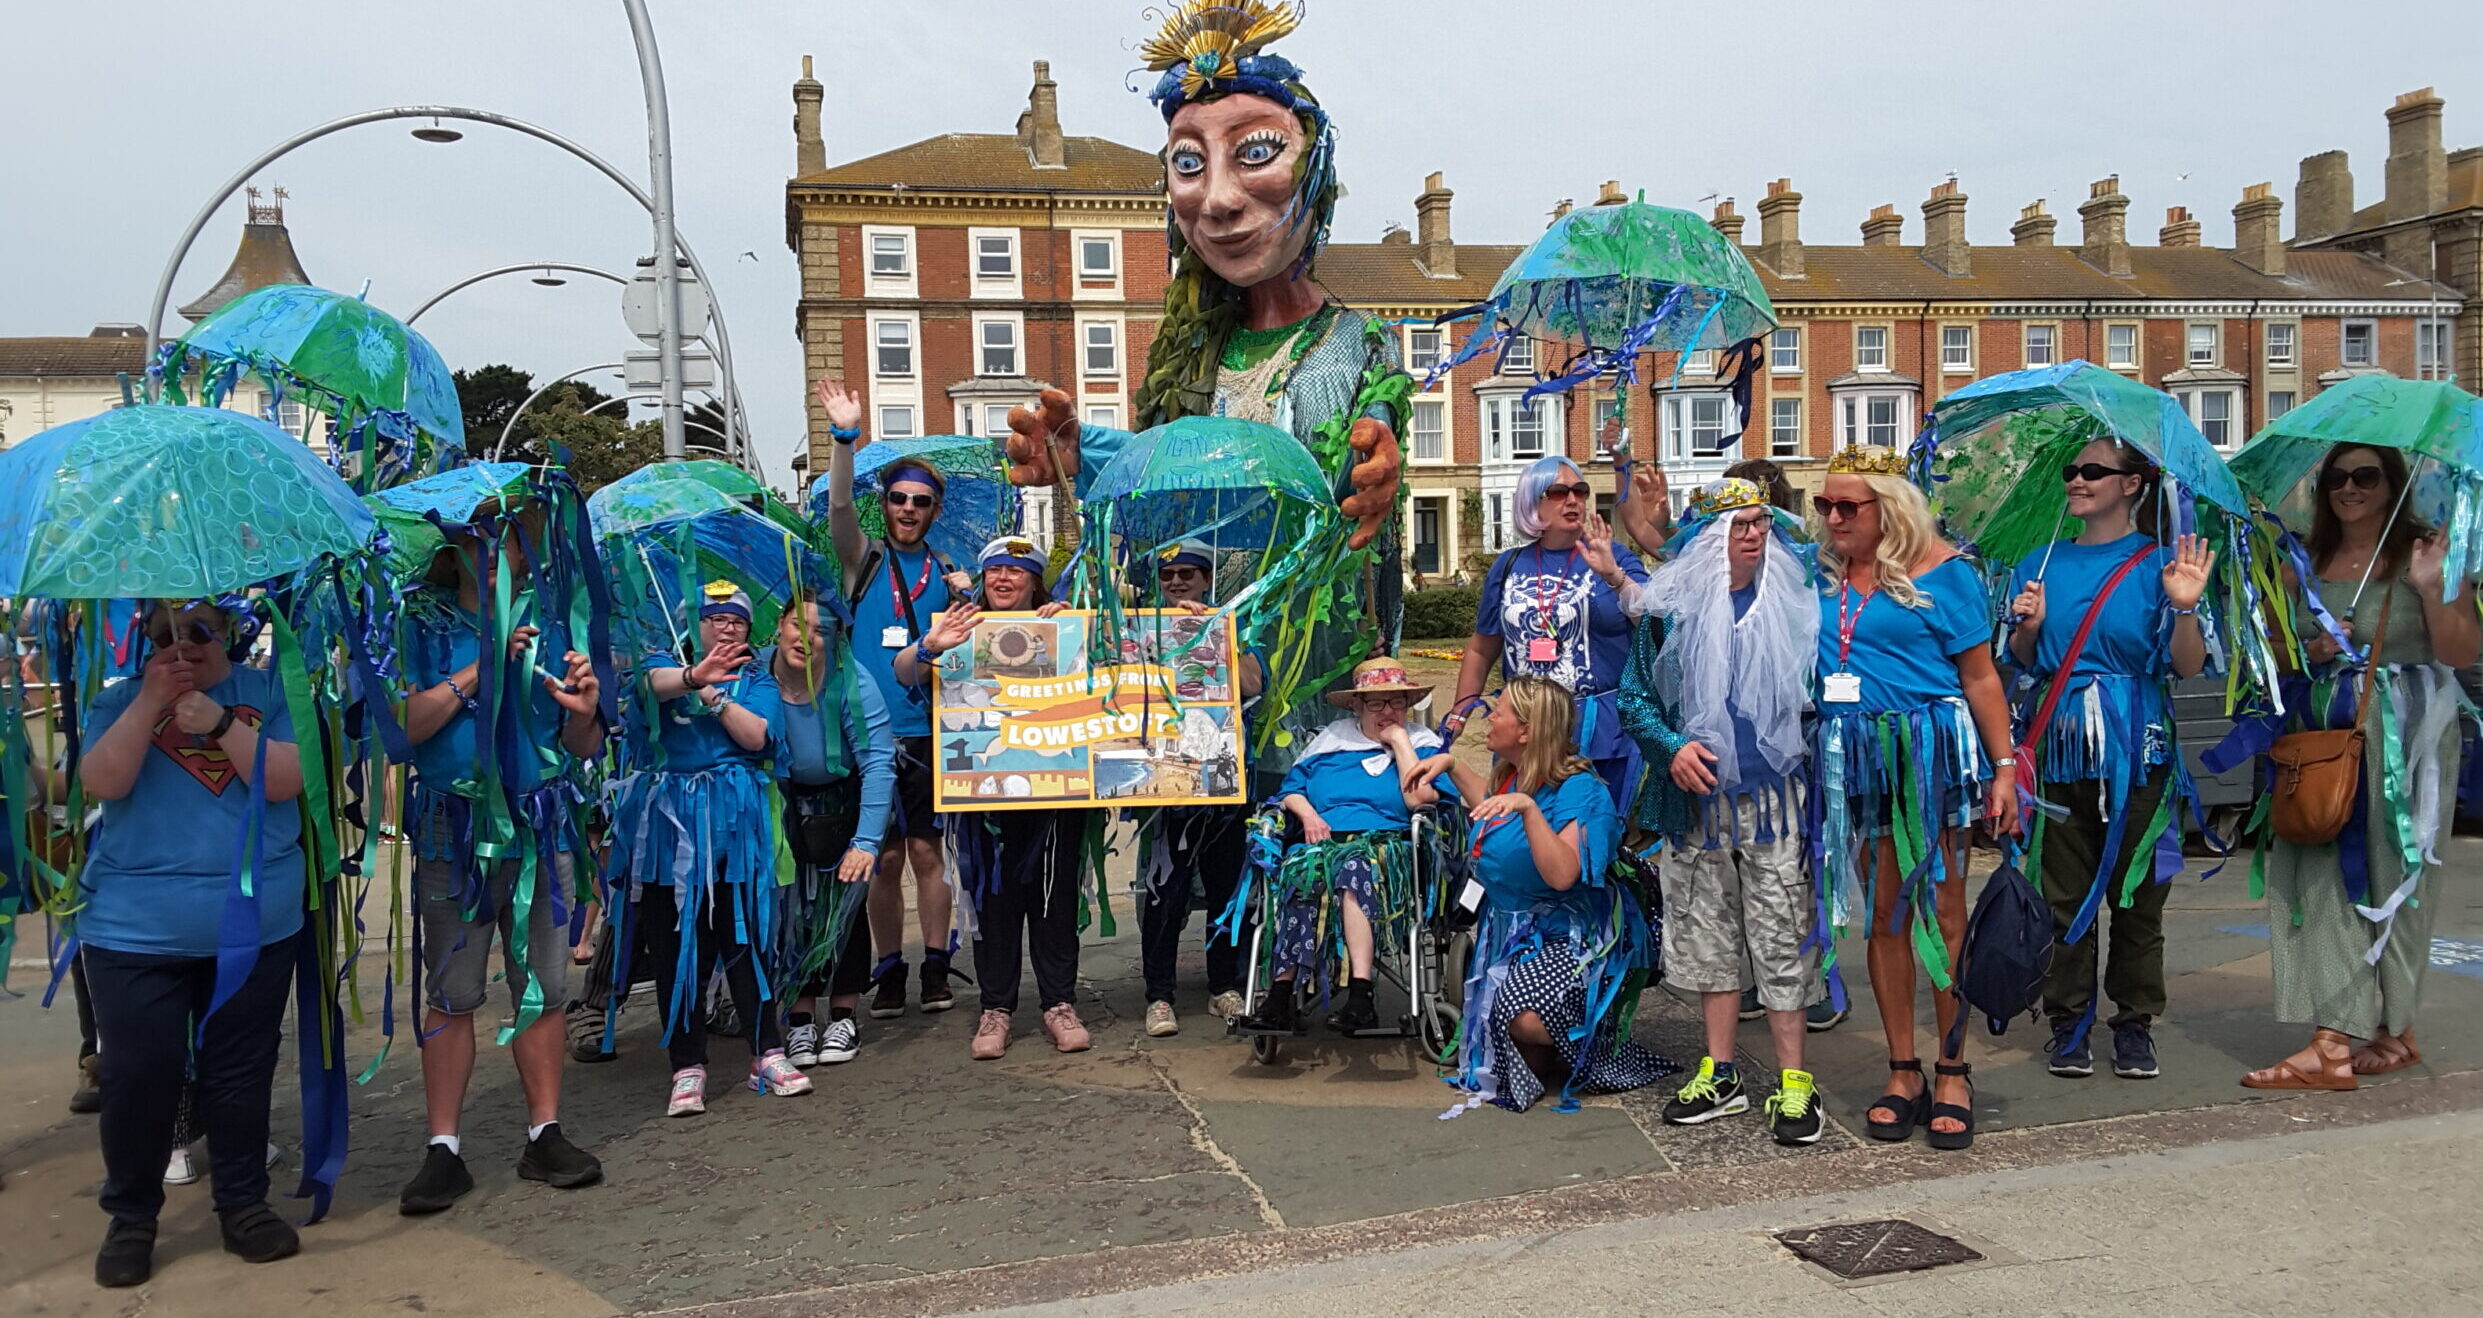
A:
(2069, 662)
(2371, 660)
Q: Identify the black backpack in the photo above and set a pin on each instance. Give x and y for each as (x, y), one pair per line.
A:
(2007, 953)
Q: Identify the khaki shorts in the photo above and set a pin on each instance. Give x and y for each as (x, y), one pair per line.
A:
(1737, 906)
(456, 952)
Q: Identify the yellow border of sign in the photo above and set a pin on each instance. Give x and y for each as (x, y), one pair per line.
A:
(946, 802)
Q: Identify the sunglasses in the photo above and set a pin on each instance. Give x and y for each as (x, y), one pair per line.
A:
(1182, 573)
(1842, 510)
(1577, 491)
(193, 633)
(2091, 471)
(900, 499)
(2362, 478)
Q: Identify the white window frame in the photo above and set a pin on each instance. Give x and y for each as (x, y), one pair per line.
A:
(1107, 415)
(2344, 335)
(904, 284)
(880, 346)
(1517, 356)
(2194, 403)
(2292, 399)
(1784, 351)
(1011, 285)
(1415, 363)
(1087, 346)
(1683, 422)
(1784, 418)
(1446, 507)
(293, 418)
(1017, 344)
(1496, 520)
(1086, 286)
(1415, 431)
(2292, 352)
(1699, 361)
(2192, 335)
(906, 429)
(2432, 346)
(992, 418)
(1090, 243)
(2129, 363)
(1865, 363)
(1962, 362)
(1500, 426)
(2051, 344)
(1853, 416)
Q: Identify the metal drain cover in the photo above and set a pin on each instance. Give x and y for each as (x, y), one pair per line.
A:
(1854, 1250)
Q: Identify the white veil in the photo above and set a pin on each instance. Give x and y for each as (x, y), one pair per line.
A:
(1759, 667)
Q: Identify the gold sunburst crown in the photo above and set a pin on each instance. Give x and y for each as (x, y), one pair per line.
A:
(1209, 40)
(1724, 495)
(1866, 460)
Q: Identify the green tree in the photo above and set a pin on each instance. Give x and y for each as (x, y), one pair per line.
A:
(489, 395)
(601, 448)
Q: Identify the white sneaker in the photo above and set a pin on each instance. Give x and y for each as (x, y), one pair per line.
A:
(689, 1092)
(840, 1041)
(1227, 1005)
(802, 1045)
(1161, 1022)
(772, 1074)
(183, 1167)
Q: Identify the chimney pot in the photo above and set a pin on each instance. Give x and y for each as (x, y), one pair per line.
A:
(1611, 194)
(2257, 230)
(810, 150)
(2417, 164)
(1780, 229)
(2034, 226)
(1727, 222)
(1884, 227)
(2179, 229)
(1944, 232)
(1439, 251)
(2104, 239)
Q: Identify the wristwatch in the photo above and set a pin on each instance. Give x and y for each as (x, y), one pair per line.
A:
(224, 724)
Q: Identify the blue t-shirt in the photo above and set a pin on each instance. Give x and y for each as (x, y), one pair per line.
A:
(1355, 787)
(1905, 657)
(1506, 864)
(1530, 594)
(697, 742)
(2129, 636)
(909, 715)
(162, 863)
(446, 759)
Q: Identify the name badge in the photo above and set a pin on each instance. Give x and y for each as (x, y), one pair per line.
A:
(892, 638)
(1470, 897)
(1841, 689)
(1542, 650)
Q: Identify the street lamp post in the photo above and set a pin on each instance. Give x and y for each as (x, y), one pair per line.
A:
(540, 390)
(547, 266)
(659, 180)
(198, 222)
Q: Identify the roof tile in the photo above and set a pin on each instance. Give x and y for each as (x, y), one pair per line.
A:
(62, 357)
(961, 162)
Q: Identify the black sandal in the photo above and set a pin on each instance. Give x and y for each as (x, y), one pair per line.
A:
(1964, 1116)
(1914, 1108)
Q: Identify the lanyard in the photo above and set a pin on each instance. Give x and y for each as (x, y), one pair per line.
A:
(1845, 625)
(1547, 597)
(896, 580)
(1484, 829)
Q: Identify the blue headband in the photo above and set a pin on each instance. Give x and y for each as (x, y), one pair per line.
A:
(916, 472)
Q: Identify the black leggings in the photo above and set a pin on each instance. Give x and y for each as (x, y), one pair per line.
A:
(1032, 908)
(660, 919)
(146, 1008)
(1211, 843)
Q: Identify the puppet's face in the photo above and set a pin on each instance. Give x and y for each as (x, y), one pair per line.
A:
(1231, 167)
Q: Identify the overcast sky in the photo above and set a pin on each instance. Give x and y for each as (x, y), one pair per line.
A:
(121, 123)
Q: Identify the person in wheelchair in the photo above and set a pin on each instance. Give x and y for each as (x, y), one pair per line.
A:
(1352, 792)
(1562, 950)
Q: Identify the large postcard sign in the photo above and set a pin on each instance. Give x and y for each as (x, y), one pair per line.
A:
(1021, 720)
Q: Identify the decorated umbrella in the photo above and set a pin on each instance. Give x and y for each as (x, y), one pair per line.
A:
(1618, 281)
(2435, 424)
(665, 539)
(979, 503)
(393, 402)
(732, 482)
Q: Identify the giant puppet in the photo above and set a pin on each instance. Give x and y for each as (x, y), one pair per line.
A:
(1250, 177)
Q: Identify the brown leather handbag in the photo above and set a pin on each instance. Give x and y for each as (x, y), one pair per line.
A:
(2319, 773)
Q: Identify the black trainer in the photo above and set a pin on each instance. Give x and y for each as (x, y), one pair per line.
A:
(440, 1181)
(888, 1000)
(256, 1235)
(2133, 1051)
(128, 1254)
(553, 1160)
(1710, 1093)
(1358, 1016)
(936, 973)
(1750, 1010)
(2076, 1061)
(1279, 1013)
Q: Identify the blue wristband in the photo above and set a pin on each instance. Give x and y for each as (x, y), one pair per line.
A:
(844, 435)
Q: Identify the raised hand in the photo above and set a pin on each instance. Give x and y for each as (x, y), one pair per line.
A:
(1043, 441)
(1647, 481)
(952, 629)
(2426, 568)
(2027, 608)
(577, 689)
(1375, 479)
(2186, 575)
(1596, 547)
(842, 405)
(721, 662)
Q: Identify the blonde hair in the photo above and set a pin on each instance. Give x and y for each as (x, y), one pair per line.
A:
(1907, 532)
(1549, 713)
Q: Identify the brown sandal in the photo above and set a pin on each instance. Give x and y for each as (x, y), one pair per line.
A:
(2336, 1076)
(2405, 1055)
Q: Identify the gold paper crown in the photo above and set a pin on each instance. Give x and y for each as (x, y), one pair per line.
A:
(1720, 496)
(721, 589)
(1211, 38)
(1866, 460)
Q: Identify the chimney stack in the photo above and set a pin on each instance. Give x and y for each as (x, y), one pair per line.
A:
(1728, 223)
(1611, 194)
(1038, 128)
(2418, 168)
(1561, 209)
(1780, 229)
(2323, 197)
(2103, 240)
(2257, 229)
(2179, 229)
(1439, 254)
(1944, 232)
(810, 151)
(1884, 227)
(2034, 226)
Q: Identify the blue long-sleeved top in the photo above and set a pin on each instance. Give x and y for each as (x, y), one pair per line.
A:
(801, 759)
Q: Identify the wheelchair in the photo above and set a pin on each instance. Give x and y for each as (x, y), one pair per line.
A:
(1422, 935)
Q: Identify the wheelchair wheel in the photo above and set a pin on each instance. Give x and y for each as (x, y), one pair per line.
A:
(1266, 1049)
(1437, 1028)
